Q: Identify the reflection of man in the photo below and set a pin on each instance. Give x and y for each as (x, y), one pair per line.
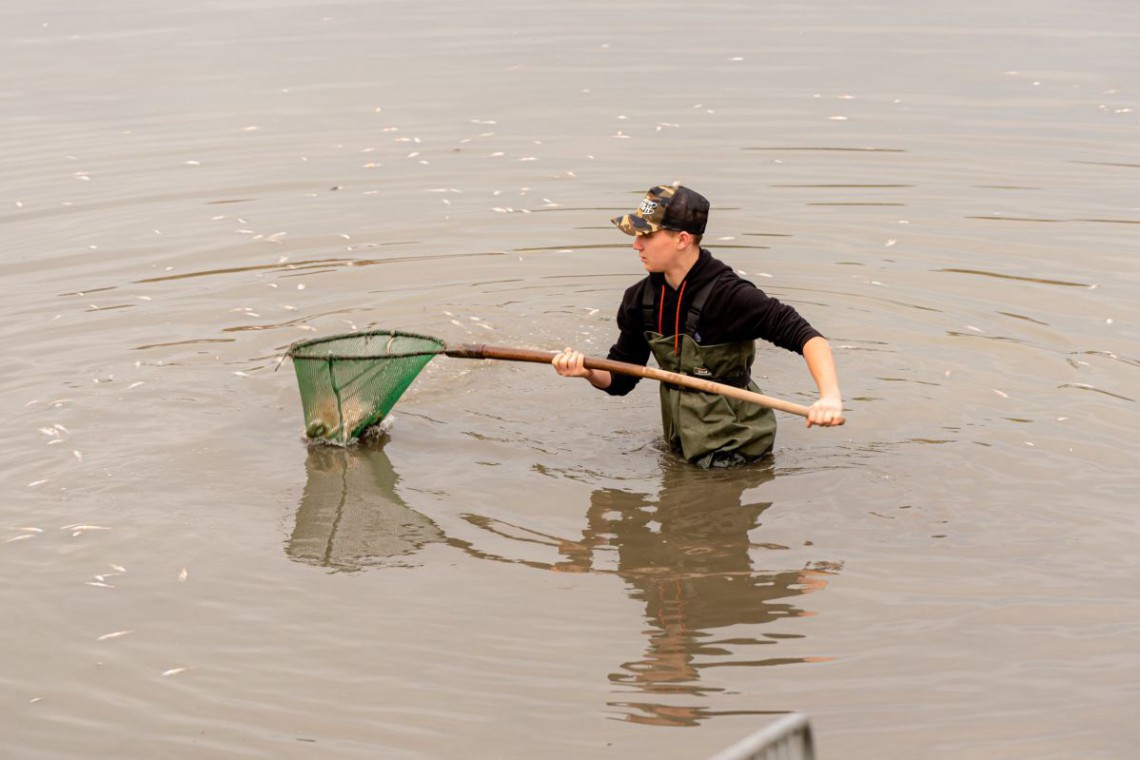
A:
(350, 514)
(685, 555)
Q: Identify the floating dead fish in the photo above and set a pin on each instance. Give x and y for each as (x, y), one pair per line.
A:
(182, 576)
(173, 672)
(19, 538)
(79, 530)
(99, 584)
(114, 635)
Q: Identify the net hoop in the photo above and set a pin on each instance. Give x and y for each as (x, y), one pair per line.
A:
(349, 382)
(309, 350)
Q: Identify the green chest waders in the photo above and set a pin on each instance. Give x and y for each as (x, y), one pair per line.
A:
(708, 429)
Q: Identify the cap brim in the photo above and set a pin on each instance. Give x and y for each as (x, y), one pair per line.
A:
(632, 224)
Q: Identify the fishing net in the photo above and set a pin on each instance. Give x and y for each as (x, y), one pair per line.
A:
(350, 382)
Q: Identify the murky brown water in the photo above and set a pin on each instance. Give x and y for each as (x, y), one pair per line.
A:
(519, 571)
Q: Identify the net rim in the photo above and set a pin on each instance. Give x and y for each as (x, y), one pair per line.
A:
(303, 345)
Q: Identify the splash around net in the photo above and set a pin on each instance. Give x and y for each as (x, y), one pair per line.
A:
(350, 382)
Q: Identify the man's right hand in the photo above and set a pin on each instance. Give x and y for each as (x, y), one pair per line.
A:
(571, 363)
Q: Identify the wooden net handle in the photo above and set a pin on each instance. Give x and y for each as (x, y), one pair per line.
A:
(481, 351)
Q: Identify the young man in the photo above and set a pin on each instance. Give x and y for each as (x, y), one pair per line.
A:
(698, 317)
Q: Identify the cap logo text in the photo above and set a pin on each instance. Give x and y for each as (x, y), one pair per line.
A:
(647, 207)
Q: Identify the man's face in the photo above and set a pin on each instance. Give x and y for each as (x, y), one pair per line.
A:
(657, 250)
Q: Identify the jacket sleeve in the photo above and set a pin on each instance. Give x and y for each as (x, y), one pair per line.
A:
(748, 313)
(631, 345)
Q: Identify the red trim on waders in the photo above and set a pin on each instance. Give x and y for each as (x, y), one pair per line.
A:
(676, 319)
(692, 320)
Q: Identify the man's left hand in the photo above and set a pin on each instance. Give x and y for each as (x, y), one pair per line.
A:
(826, 413)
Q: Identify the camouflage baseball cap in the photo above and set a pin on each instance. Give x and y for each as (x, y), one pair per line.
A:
(667, 207)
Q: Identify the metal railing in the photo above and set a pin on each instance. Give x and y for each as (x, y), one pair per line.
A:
(788, 738)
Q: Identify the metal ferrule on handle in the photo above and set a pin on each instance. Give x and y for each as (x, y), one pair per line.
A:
(479, 351)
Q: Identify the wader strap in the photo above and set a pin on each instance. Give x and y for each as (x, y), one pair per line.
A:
(648, 312)
(649, 307)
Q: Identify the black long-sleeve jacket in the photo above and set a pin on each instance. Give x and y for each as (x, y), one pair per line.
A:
(736, 310)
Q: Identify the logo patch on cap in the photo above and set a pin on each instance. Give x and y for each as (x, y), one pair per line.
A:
(669, 207)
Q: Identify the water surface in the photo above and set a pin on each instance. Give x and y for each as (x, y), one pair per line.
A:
(518, 569)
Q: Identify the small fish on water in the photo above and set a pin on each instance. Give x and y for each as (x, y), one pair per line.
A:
(114, 635)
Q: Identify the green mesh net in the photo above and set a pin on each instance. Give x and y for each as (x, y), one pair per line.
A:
(350, 382)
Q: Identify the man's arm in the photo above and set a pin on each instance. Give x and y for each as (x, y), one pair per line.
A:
(828, 410)
(570, 363)
(631, 348)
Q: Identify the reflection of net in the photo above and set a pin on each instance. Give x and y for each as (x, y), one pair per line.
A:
(350, 382)
(351, 516)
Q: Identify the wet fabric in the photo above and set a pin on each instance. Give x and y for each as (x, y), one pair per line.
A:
(708, 429)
